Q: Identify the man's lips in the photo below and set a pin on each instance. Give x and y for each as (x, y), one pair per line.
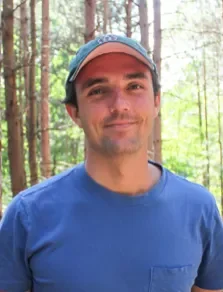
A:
(120, 124)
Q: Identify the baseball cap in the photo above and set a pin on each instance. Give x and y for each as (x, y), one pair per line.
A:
(105, 44)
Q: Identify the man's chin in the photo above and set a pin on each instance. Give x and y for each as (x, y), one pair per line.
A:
(113, 148)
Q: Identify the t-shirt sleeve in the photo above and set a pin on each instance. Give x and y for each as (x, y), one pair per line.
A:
(210, 273)
(14, 270)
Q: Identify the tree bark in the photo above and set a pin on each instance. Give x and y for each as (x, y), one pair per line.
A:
(25, 48)
(128, 9)
(21, 102)
(157, 60)
(32, 100)
(110, 19)
(220, 133)
(219, 122)
(1, 111)
(144, 23)
(44, 117)
(24, 58)
(144, 31)
(105, 16)
(206, 175)
(90, 9)
(199, 109)
(12, 111)
(0, 163)
(220, 150)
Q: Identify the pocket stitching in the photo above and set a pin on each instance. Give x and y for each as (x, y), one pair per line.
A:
(160, 268)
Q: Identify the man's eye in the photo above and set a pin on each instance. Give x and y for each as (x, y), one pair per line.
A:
(135, 86)
(96, 91)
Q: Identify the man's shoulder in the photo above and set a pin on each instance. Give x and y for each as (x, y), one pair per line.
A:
(47, 201)
(56, 185)
(191, 191)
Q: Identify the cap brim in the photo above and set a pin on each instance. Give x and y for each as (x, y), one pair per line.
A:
(112, 47)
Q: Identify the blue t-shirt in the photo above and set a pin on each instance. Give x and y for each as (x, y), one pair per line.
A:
(71, 234)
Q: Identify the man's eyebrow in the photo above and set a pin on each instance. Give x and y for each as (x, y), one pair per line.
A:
(93, 81)
(98, 80)
(136, 75)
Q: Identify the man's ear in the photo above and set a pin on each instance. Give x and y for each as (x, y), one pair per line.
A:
(74, 114)
(157, 104)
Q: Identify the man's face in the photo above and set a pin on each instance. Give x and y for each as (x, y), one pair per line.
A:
(116, 104)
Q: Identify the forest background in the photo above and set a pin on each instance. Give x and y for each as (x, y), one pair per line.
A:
(39, 38)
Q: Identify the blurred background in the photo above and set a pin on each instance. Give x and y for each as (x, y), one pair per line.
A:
(39, 38)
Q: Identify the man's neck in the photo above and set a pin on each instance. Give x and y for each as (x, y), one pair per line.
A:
(130, 174)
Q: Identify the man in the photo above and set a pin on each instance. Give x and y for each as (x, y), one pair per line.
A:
(115, 223)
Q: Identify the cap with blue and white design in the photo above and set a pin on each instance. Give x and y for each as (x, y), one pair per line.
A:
(106, 44)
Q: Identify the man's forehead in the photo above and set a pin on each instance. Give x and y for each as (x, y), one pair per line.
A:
(116, 62)
(123, 57)
(110, 65)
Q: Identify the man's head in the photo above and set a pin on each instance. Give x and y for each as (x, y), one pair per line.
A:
(112, 92)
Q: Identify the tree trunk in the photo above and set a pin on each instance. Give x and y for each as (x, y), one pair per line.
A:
(105, 16)
(110, 19)
(32, 100)
(157, 60)
(0, 161)
(90, 9)
(21, 102)
(201, 132)
(219, 122)
(144, 31)
(199, 109)
(128, 9)
(24, 56)
(144, 24)
(220, 133)
(1, 112)
(44, 117)
(25, 48)
(220, 150)
(206, 175)
(12, 111)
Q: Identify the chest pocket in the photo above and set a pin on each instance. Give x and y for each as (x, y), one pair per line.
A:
(179, 279)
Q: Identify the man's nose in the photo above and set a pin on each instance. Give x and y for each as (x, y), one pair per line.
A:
(120, 101)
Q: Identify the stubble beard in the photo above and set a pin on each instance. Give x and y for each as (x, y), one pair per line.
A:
(116, 146)
(127, 146)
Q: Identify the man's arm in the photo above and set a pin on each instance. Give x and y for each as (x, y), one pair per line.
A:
(209, 274)
(196, 289)
(15, 274)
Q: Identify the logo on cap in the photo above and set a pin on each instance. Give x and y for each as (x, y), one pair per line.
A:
(107, 38)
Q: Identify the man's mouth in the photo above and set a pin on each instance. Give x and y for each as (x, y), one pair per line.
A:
(120, 124)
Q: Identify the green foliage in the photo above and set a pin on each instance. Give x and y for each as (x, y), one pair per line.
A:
(195, 68)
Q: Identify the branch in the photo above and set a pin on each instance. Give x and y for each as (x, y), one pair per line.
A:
(194, 31)
(57, 128)
(187, 53)
(19, 5)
